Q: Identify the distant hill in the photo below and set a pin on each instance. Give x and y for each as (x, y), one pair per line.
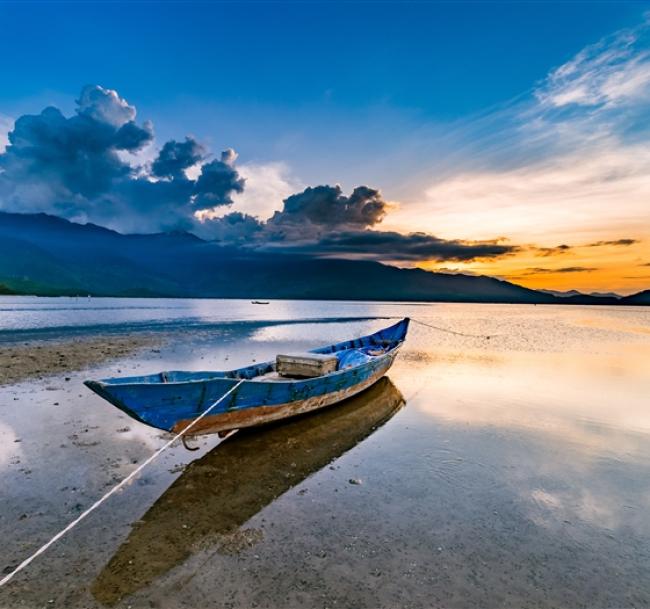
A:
(561, 294)
(642, 298)
(581, 296)
(46, 255)
(605, 294)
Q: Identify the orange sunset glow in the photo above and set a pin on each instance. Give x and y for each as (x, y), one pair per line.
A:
(590, 268)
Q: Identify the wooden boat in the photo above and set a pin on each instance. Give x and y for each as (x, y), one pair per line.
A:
(171, 400)
(218, 493)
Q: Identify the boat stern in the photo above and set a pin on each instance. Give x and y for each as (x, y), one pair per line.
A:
(395, 333)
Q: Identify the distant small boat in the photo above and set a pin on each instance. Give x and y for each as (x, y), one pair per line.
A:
(259, 302)
(172, 400)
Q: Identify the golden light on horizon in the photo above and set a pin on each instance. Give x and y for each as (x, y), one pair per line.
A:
(609, 267)
(588, 196)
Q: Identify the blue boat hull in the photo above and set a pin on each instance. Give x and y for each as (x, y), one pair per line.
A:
(171, 400)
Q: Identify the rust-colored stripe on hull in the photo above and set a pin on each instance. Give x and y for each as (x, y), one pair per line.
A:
(251, 417)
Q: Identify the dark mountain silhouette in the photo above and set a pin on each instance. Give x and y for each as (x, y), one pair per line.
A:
(641, 298)
(46, 255)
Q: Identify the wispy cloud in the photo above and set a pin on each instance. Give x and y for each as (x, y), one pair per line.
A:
(564, 269)
(553, 251)
(569, 163)
(612, 72)
(558, 250)
(623, 242)
(593, 190)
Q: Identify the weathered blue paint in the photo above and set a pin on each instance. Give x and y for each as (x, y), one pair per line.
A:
(165, 399)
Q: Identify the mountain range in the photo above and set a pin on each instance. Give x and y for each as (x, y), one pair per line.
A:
(46, 255)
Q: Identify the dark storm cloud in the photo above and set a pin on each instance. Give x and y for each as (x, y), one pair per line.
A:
(389, 245)
(217, 182)
(132, 138)
(175, 157)
(327, 206)
(75, 156)
(83, 167)
(78, 167)
(306, 216)
(322, 221)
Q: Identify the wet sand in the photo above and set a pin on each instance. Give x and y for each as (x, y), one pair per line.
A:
(503, 473)
(38, 359)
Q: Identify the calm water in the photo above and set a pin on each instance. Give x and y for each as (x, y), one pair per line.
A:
(509, 472)
(48, 316)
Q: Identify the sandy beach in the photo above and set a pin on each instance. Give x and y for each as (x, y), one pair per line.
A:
(478, 473)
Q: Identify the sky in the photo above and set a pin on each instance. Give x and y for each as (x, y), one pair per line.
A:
(501, 138)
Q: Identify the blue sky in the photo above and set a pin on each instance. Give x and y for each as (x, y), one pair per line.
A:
(271, 78)
(478, 121)
(443, 59)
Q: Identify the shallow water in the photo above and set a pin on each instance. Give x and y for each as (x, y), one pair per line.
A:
(510, 471)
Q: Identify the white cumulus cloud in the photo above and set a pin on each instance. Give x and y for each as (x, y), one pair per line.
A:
(6, 125)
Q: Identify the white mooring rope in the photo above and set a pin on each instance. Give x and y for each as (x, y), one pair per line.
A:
(117, 487)
(448, 331)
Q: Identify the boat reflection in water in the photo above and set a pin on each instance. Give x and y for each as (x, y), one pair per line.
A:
(222, 490)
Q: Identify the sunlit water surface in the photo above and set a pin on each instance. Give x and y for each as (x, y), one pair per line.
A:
(511, 471)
